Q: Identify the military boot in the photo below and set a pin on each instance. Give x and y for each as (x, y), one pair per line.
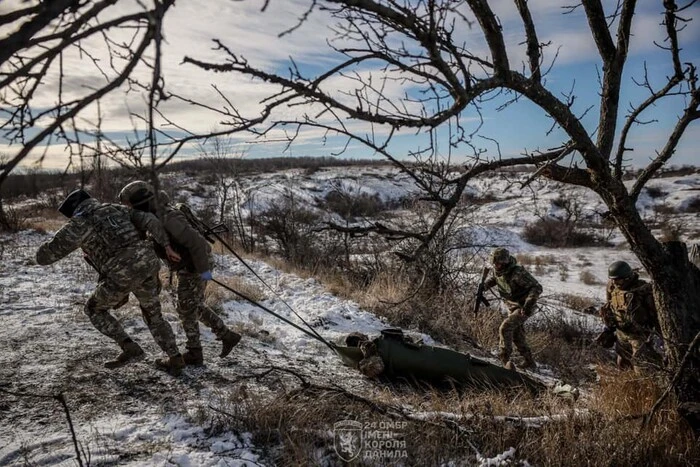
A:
(131, 352)
(503, 356)
(228, 341)
(528, 362)
(172, 365)
(193, 356)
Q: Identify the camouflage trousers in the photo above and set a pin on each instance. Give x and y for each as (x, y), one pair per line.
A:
(636, 351)
(191, 309)
(112, 289)
(512, 332)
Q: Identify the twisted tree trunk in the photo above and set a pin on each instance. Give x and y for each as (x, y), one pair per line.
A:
(676, 286)
(677, 296)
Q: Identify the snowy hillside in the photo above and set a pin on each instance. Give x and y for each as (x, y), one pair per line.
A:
(138, 416)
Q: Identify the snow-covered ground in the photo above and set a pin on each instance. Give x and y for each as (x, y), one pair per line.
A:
(138, 416)
(134, 415)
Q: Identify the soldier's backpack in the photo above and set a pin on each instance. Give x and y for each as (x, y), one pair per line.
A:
(207, 232)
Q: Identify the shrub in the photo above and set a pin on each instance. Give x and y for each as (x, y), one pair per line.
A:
(539, 261)
(655, 192)
(350, 206)
(665, 209)
(563, 272)
(556, 233)
(12, 219)
(475, 199)
(672, 231)
(576, 302)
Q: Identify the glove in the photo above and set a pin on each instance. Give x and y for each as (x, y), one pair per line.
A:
(206, 276)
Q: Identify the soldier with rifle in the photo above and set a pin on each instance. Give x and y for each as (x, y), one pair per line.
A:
(520, 291)
(630, 318)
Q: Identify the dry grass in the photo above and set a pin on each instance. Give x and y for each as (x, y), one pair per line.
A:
(576, 302)
(46, 220)
(588, 278)
(436, 427)
(536, 260)
(216, 295)
(295, 424)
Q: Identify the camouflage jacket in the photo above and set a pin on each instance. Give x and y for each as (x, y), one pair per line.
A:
(630, 309)
(516, 286)
(108, 234)
(186, 240)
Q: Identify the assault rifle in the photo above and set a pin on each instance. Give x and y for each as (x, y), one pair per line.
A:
(480, 292)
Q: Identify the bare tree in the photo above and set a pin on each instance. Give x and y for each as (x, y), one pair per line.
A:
(420, 45)
(46, 97)
(225, 160)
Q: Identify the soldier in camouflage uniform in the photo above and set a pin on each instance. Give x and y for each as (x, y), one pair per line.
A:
(519, 291)
(630, 313)
(193, 271)
(112, 237)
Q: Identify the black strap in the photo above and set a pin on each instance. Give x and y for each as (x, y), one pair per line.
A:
(314, 335)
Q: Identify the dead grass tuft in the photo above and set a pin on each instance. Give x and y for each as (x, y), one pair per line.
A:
(537, 260)
(295, 419)
(588, 278)
(45, 220)
(576, 302)
(216, 295)
(624, 393)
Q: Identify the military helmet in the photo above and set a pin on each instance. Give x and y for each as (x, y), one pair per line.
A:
(500, 255)
(68, 206)
(619, 270)
(136, 193)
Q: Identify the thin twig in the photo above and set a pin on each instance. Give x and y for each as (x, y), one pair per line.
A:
(672, 384)
(62, 400)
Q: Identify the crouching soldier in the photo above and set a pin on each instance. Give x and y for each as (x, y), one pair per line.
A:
(520, 291)
(193, 270)
(112, 236)
(630, 318)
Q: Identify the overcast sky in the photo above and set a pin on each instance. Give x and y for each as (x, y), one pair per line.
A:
(245, 29)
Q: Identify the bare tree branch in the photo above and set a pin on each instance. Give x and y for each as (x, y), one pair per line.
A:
(599, 29)
(45, 13)
(493, 34)
(691, 113)
(533, 44)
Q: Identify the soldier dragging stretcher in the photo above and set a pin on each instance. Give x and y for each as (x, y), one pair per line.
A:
(193, 270)
(112, 236)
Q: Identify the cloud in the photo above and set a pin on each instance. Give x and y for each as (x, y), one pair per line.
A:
(253, 34)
